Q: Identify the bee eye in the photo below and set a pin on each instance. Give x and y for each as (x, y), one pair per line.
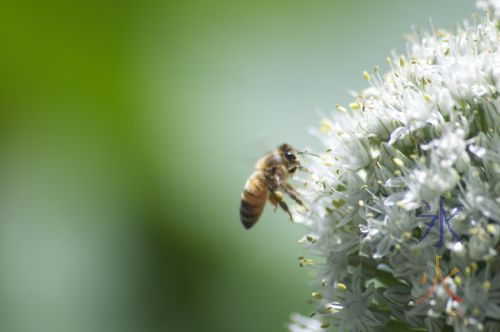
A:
(291, 156)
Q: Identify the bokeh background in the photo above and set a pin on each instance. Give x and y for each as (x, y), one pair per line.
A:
(127, 130)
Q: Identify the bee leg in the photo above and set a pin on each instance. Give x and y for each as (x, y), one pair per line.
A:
(290, 190)
(280, 199)
(305, 169)
(273, 202)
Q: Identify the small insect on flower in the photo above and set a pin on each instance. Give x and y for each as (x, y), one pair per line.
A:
(271, 174)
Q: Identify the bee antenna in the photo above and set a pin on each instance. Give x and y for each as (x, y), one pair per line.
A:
(309, 153)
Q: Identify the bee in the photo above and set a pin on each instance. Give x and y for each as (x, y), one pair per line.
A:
(271, 175)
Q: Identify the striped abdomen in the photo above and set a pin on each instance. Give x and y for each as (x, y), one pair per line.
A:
(253, 199)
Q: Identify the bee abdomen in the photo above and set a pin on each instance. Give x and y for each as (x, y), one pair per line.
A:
(253, 200)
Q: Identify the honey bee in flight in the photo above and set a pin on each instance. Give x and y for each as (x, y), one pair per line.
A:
(271, 174)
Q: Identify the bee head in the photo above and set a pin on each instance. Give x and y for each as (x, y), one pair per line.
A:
(289, 153)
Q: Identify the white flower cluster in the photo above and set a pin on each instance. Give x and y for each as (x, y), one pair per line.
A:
(425, 134)
(490, 5)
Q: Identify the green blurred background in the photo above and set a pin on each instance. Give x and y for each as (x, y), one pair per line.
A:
(127, 131)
